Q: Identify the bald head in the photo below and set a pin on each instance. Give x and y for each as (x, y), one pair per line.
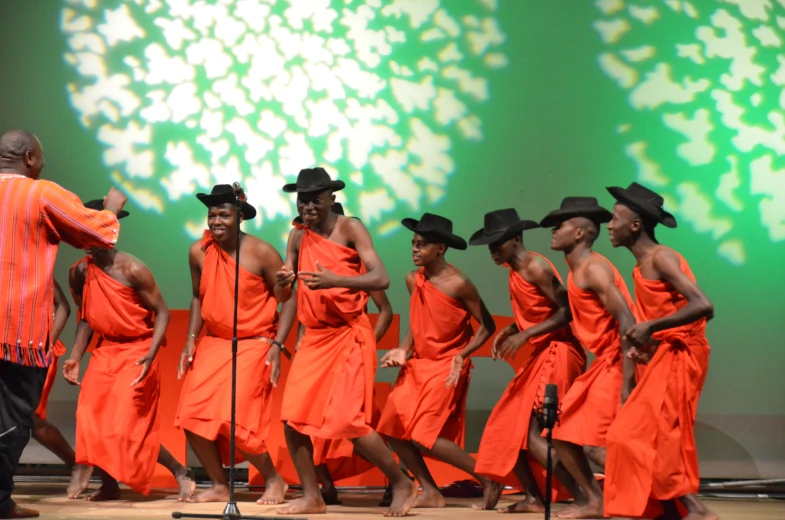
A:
(21, 152)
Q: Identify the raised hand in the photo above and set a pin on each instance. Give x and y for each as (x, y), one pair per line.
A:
(320, 279)
(71, 372)
(114, 201)
(394, 358)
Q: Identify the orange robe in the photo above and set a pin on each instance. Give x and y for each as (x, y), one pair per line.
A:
(58, 349)
(555, 358)
(339, 454)
(420, 407)
(651, 445)
(593, 400)
(329, 390)
(115, 422)
(205, 404)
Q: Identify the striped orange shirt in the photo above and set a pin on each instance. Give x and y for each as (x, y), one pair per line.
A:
(35, 215)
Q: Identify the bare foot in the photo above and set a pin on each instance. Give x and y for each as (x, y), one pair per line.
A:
(304, 505)
(530, 505)
(274, 491)
(404, 496)
(491, 492)
(109, 490)
(430, 499)
(80, 479)
(330, 496)
(590, 510)
(214, 494)
(186, 483)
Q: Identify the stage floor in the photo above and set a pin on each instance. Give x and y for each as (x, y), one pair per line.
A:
(50, 500)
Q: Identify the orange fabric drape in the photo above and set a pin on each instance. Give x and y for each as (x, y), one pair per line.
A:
(651, 445)
(329, 390)
(205, 399)
(115, 422)
(555, 358)
(591, 404)
(420, 406)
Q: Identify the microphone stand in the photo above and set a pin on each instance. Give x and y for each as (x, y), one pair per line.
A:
(549, 476)
(549, 417)
(231, 511)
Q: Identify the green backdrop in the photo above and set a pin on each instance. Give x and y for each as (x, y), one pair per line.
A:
(455, 107)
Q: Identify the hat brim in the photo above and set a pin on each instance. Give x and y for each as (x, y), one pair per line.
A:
(624, 197)
(598, 215)
(449, 239)
(248, 212)
(480, 238)
(98, 205)
(331, 186)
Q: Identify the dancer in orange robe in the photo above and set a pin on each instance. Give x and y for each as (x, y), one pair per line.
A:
(337, 459)
(47, 434)
(426, 410)
(601, 309)
(329, 390)
(204, 410)
(651, 444)
(117, 297)
(551, 353)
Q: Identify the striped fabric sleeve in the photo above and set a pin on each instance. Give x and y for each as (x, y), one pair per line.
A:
(75, 224)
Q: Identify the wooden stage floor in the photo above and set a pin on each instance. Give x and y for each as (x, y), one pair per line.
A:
(50, 500)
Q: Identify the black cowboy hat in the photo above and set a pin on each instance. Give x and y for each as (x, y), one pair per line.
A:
(312, 180)
(98, 205)
(500, 226)
(572, 207)
(644, 202)
(224, 194)
(437, 228)
(336, 208)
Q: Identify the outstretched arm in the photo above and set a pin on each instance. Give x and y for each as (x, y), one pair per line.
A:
(143, 283)
(62, 312)
(601, 281)
(385, 313)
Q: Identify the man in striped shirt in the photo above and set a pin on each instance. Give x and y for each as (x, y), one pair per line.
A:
(35, 215)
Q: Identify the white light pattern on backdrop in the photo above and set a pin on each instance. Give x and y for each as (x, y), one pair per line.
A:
(186, 94)
(718, 87)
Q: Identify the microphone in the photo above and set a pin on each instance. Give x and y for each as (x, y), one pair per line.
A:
(550, 406)
(238, 192)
